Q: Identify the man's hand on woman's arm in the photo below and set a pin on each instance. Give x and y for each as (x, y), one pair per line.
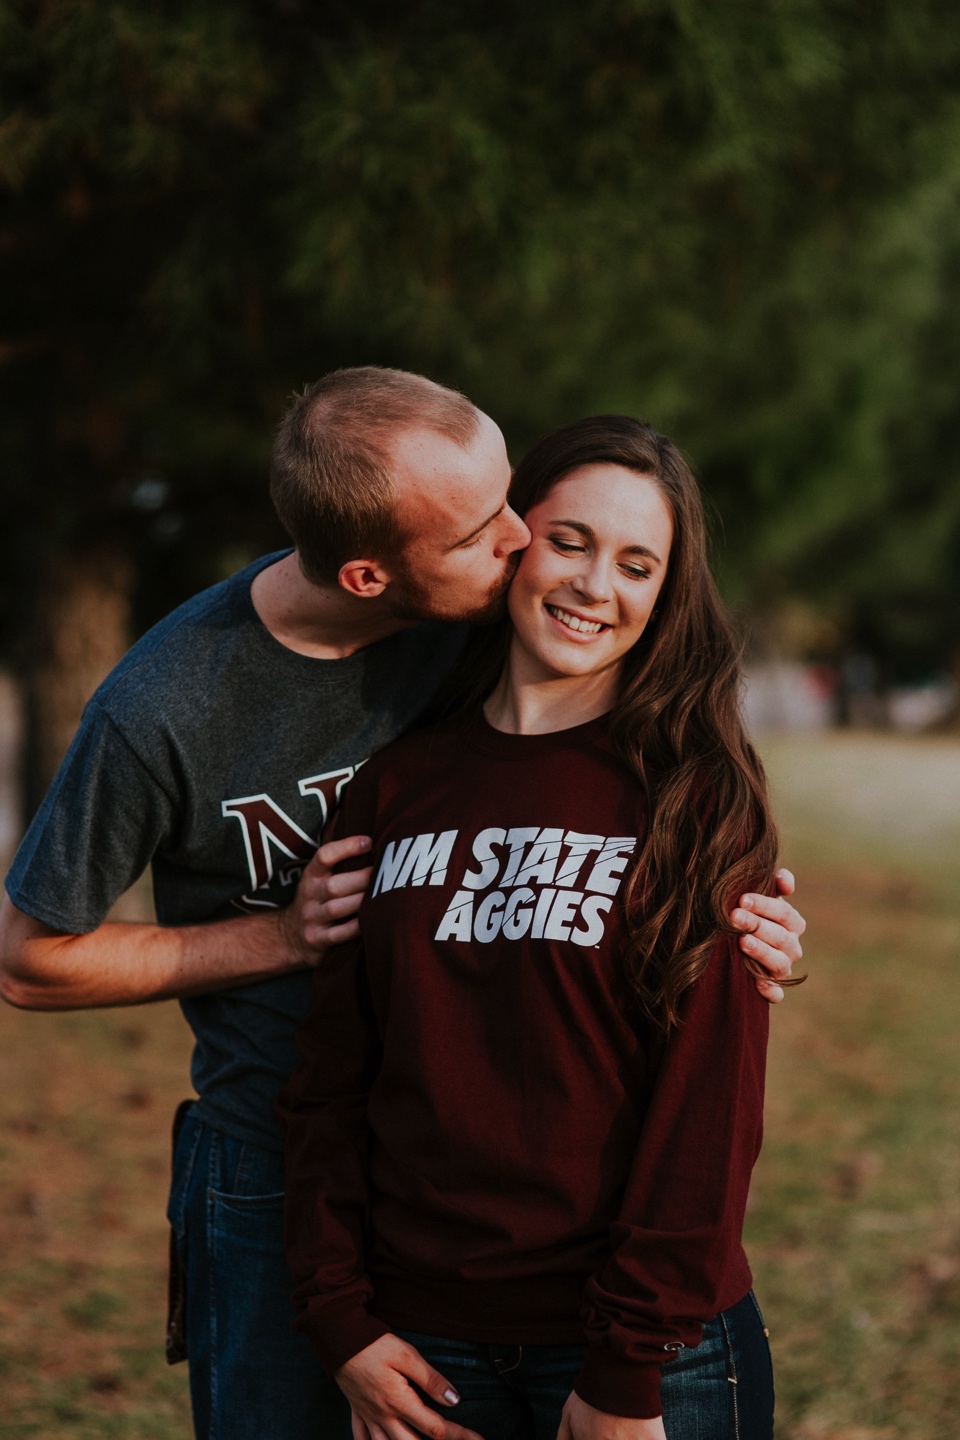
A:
(379, 1382)
(771, 934)
(581, 1422)
(324, 909)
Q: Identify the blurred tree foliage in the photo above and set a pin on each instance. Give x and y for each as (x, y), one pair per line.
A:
(739, 221)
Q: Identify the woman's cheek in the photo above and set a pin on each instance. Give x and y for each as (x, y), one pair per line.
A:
(521, 603)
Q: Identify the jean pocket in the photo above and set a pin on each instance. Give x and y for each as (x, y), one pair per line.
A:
(239, 1206)
(246, 1223)
(248, 1259)
(242, 1202)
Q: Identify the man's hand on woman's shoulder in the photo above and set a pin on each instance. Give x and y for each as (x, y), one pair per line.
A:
(771, 934)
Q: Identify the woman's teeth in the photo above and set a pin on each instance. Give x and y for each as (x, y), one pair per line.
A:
(586, 627)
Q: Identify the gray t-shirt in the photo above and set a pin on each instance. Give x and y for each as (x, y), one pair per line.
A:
(215, 753)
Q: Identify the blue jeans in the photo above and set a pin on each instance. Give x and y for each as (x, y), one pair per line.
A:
(722, 1390)
(251, 1377)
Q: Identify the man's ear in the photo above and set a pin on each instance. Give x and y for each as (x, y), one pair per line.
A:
(364, 578)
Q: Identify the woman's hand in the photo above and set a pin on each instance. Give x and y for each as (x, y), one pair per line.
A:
(771, 934)
(580, 1421)
(383, 1402)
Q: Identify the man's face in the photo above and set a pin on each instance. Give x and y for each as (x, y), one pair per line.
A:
(463, 539)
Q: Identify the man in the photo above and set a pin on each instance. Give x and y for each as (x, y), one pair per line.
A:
(215, 752)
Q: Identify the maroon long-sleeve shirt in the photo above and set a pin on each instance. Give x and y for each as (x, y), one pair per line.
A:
(484, 1142)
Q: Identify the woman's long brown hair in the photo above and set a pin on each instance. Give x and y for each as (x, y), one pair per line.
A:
(676, 724)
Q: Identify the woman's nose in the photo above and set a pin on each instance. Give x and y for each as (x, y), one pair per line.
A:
(593, 584)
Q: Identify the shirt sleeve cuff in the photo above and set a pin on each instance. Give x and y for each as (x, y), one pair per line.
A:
(338, 1332)
(619, 1387)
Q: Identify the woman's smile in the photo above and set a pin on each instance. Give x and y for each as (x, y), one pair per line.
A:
(577, 625)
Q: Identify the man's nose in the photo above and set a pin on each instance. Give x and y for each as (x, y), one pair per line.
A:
(514, 536)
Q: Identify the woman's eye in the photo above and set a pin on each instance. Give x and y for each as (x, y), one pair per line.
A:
(567, 546)
(635, 572)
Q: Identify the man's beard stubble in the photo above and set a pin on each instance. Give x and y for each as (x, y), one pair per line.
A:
(413, 601)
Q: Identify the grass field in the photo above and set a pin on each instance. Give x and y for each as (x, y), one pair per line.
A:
(855, 1217)
(854, 1226)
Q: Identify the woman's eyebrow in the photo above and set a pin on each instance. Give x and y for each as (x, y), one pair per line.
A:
(588, 534)
(643, 550)
(577, 525)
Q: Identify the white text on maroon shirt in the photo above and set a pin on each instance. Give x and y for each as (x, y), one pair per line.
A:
(550, 883)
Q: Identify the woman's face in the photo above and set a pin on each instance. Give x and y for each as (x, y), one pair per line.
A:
(587, 584)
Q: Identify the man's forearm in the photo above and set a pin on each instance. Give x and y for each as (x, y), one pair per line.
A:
(123, 964)
(44, 969)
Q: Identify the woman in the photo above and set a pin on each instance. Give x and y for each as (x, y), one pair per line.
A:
(520, 1141)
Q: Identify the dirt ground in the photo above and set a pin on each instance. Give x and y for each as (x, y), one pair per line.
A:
(854, 1225)
(85, 1107)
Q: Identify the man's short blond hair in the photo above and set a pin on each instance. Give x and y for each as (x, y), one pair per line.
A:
(329, 471)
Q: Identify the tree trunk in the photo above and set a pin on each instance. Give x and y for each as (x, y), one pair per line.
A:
(82, 628)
